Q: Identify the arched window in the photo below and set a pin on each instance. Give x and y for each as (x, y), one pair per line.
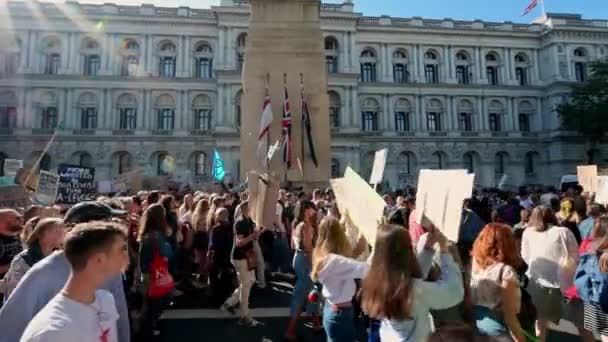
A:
(495, 116)
(331, 54)
(127, 112)
(130, 57)
(531, 162)
(370, 115)
(403, 110)
(368, 65)
(500, 163)
(165, 107)
(400, 67)
(12, 57)
(431, 66)
(200, 165)
(123, 162)
(407, 162)
(462, 67)
(433, 116)
(88, 110)
(522, 64)
(525, 112)
(334, 109)
(202, 107)
(492, 63)
(335, 168)
(241, 42)
(8, 110)
(465, 116)
(439, 160)
(470, 161)
(167, 59)
(83, 159)
(51, 54)
(48, 110)
(91, 52)
(203, 55)
(580, 64)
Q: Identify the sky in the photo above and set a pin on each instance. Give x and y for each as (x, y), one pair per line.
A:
(487, 10)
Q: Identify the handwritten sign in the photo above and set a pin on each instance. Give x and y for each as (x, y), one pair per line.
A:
(127, 182)
(46, 191)
(11, 166)
(378, 168)
(587, 177)
(14, 197)
(76, 184)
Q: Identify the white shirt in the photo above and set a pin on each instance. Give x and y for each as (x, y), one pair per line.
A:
(542, 251)
(545, 199)
(279, 227)
(66, 320)
(338, 278)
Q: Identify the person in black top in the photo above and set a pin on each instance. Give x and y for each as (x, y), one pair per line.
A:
(245, 235)
(221, 270)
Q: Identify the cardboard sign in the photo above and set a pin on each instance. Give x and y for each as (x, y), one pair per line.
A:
(601, 196)
(365, 207)
(263, 197)
(25, 175)
(12, 166)
(439, 199)
(128, 182)
(104, 187)
(46, 191)
(76, 184)
(587, 177)
(378, 168)
(14, 197)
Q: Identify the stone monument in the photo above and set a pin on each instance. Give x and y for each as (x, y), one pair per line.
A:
(285, 44)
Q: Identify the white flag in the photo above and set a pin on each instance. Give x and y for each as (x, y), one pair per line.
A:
(265, 122)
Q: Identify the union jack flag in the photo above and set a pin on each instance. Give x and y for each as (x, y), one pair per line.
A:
(531, 6)
(286, 130)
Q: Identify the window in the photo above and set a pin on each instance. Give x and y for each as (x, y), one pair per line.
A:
(400, 73)
(433, 122)
(124, 162)
(368, 72)
(91, 65)
(167, 67)
(53, 62)
(529, 163)
(49, 118)
(166, 119)
(11, 63)
(439, 160)
(204, 68)
(370, 121)
(202, 119)
(128, 118)
(45, 163)
(580, 71)
(462, 74)
(500, 163)
(129, 66)
(405, 161)
(88, 118)
(521, 75)
(335, 168)
(492, 75)
(465, 123)
(199, 164)
(240, 50)
(468, 162)
(580, 52)
(8, 117)
(334, 109)
(524, 122)
(402, 123)
(163, 165)
(430, 73)
(494, 122)
(332, 64)
(430, 55)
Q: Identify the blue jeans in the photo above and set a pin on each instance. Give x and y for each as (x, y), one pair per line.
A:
(301, 266)
(374, 331)
(339, 325)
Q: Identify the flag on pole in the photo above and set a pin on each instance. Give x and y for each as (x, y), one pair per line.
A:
(218, 167)
(286, 130)
(265, 122)
(531, 6)
(307, 125)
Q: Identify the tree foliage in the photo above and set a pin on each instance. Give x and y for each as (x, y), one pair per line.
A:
(587, 109)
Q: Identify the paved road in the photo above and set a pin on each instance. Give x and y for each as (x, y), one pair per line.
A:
(193, 320)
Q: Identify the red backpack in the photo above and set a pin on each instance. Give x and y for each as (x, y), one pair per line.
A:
(161, 281)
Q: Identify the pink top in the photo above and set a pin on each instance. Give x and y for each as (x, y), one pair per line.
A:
(416, 229)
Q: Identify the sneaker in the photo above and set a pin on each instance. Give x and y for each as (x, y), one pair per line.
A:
(249, 322)
(228, 309)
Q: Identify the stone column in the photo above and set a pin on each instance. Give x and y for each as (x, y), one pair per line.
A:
(33, 64)
(343, 60)
(356, 113)
(178, 110)
(451, 64)
(447, 114)
(64, 52)
(509, 65)
(446, 73)
(535, 76)
(354, 56)
(186, 112)
(481, 117)
(219, 117)
(538, 122)
(28, 120)
(480, 73)
(418, 115)
(140, 110)
(22, 108)
(387, 113)
(70, 119)
(229, 108)
(420, 63)
(555, 54)
(24, 63)
(144, 55)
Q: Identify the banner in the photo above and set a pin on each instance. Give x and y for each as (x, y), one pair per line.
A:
(128, 182)
(587, 177)
(76, 184)
(46, 191)
(379, 165)
(365, 207)
(11, 166)
(14, 197)
(439, 199)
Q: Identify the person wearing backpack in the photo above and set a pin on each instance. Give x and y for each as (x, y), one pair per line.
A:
(591, 282)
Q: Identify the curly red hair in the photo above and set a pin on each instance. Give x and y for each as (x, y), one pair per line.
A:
(495, 244)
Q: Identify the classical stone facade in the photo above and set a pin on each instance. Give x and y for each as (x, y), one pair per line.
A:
(131, 85)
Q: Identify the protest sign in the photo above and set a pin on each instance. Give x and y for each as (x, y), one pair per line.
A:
(26, 175)
(104, 187)
(439, 199)
(378, 168)
(7, 181)
(128, 182)
(587, 177)
(262, 199)
(11, 166)
(46, 191)
(601, 196)
(76, 184)
(14, 197)
(364, 206)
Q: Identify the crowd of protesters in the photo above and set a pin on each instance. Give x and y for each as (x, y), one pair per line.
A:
(105, 270)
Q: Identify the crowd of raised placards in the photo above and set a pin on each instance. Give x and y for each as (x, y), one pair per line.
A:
(105, 270)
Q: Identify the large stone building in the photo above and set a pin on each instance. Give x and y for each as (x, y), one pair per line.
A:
(131, 85)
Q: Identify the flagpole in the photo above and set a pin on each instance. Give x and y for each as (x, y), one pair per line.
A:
(302, 123)
(268, 134)
(542, 7)
(285, 136)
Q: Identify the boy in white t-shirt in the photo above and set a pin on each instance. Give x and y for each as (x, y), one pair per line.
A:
(96, 251)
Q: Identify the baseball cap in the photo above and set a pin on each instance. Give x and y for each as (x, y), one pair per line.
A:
(91, 211)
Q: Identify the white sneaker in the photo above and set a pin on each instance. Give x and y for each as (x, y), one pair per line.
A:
(230, 310)
(249, 322)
